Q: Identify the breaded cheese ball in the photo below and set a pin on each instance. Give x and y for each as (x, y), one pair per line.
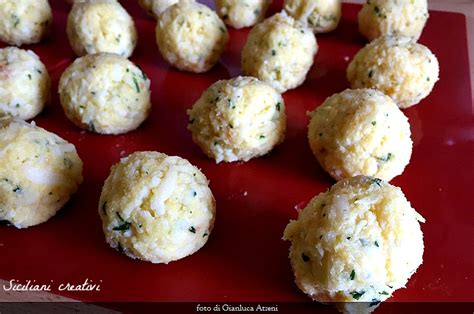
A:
(279, 51)
(101, 26)
(39, 171)
(238, 119)
(322, 16)
(398, 66)
(24, 83)
(24, 22)
(360, 132)
(393, 17)
(242, 13)
(105, 93)
(156, 7)
(156, 208)
(190, 36)
(357, 242)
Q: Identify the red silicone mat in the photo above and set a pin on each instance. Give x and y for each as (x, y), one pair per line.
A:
(245, 258)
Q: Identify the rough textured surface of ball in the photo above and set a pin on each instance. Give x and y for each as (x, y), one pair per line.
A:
(398, 66)
(393, 17)
(238, 119)
(101, 26)
(190, 36)
(38, 173)
(24, 22)
(358, 242)
(320, 15)
(105, 93)
(360, 132)
(279, 51)
(24, 83)
(156, 208)
(242, 13)
(156, 7)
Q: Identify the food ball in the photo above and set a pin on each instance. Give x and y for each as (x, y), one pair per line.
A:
(190, 36)
(357, 242)
(38, 173)
(321, 15)
(242, 13)
(156, 7)
(238, 119)
(279, 51)
(101, 26)
(105, 93)
(156, 207)
(393, 17)
(360, 132)
(24, 22)
(24, 83)
(398, 66)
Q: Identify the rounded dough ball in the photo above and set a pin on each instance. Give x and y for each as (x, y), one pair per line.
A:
(398, 66)
(279, 51)
(321, 15)
(24, 22)
(242, 13)
(105, 93)
(38, 173)
(357, 242)
(238, 119)
(156, 208)
(156, 7)
(393, 17)
(190, 36)
(24, 83)
(101, 26)
(360, 132)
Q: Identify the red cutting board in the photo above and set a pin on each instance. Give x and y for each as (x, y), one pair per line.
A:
(245, 258)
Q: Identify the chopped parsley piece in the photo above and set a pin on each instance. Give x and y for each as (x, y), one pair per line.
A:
(17, 189)
(222, 29)
(356, 295)
(137, 87)
(371, 72)
(192, 229)
(348, 238)
(29, 77)
(384, 292)
(16, 20)
(274, 52)
(386, 158)
(123, 227)
(278, 106)
(305, 257)
(374, 123)
(68, 163)
(205, 234)
(374, 302)
(91, 126)
(39, 71)
(262, 137)
(376, 244)
(353, 274)
(194, 194)
(377, 181)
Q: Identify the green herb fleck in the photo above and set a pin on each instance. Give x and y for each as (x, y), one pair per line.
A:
(123, 227)
(222, 29)
(374, 123)
(376, 244)
(386, 158)
(356, 295)
(192, 229)
(16, 20)
(371, 72)
(274, 52)
(29, 77)
(256, 12)
(374, 302)
(278, 106)
(377, 181)
(428, 79)
(17, 105)
(384, 292)
(137, 87)
(194, 193)
(39, 71)
(17, 189)
(353, 274)
(91, 126)
(205, 234)
(262, 137)
(305, 257)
